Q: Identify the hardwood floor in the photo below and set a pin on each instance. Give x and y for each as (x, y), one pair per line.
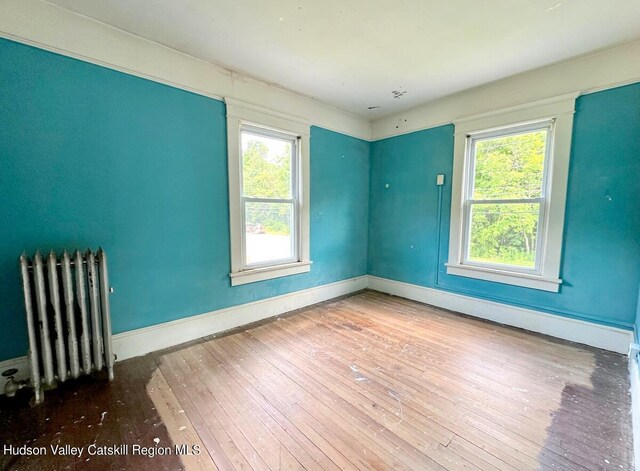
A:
(364, 382)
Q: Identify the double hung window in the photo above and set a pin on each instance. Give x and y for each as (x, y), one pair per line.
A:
(268, 156)
(509, 191)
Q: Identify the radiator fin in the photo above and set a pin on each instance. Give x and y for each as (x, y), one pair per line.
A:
(70, 316)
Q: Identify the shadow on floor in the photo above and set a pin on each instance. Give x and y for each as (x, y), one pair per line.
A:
(83, 412)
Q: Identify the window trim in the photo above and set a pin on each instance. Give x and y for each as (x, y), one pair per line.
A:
(558, 110)
(543, 200)
(293, 200)
(241, 114)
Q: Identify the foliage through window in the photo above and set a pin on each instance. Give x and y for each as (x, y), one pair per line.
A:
(269, 197)
(505, 197)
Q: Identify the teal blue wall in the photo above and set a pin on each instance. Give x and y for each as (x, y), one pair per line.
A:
(403, 219)
(637, 322)
(601, 253)
(90, 156)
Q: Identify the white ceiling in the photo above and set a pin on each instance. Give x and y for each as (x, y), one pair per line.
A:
(391, 54)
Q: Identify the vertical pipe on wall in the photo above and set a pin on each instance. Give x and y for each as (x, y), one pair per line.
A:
(439, 235)
(54, 294)
(34, 363)
(85, 337)
(41, 301)
(106, 311)
(72, 339)
(95, 310)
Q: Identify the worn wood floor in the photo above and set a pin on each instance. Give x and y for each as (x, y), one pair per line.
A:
(364, 382)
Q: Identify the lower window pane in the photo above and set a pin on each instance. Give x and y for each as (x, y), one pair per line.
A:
(504, 233)
(269, 233)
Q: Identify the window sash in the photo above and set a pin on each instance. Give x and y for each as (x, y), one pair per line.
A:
(537, 268)
(543, 200)
(294, 200)
(294, 234)
(273, 134)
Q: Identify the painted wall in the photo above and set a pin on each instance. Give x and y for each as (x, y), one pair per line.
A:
(90, 156)
(637, 321)
(601, 244)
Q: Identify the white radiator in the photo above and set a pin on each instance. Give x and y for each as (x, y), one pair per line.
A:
(68, 317)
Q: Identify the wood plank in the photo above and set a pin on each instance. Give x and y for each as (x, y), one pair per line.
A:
(412, 436)
(331, 426)
(219, 445)
(368, 381)
(278, 391)
(248, 383)
(243, 416)
(527, 461)
(179, 427)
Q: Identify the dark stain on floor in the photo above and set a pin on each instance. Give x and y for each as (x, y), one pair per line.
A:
(603, 444)
(85, 411)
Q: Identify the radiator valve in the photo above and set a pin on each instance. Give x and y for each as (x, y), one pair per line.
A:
(11, 387)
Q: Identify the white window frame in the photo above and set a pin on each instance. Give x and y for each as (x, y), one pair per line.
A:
(241, 115)
(555, 114)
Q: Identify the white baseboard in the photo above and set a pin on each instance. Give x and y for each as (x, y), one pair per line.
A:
(634, 373)
(588, 333)
(149, 339)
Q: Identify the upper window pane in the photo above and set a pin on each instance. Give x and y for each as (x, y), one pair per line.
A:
(509, 167)
(266, 166)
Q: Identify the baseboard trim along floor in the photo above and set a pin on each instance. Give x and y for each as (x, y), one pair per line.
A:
(596, 335)
(149, 339)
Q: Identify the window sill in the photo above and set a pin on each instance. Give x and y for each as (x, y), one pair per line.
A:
(268, 273)
(506, 277)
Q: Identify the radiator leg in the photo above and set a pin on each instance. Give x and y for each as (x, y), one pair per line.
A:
(106, 311)
(38, 395)
(34, 364)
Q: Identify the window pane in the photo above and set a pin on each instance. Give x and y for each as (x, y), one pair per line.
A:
(504, 233)
(269, 234)
(266, 166)
(510, 167)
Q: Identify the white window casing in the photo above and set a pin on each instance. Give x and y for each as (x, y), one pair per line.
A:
(245, 115)
(555, 115)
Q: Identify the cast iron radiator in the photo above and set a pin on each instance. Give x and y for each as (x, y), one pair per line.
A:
(66, 302)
